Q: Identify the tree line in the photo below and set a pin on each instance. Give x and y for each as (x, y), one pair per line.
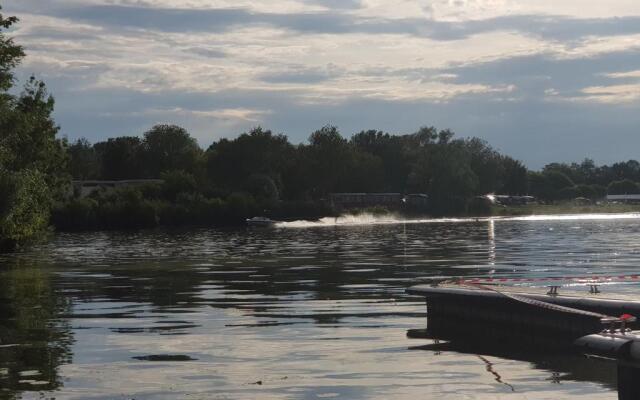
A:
(269, 167)
(261, 172)
(257, 172)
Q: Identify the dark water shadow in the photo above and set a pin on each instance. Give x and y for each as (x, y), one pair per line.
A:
(551, 353)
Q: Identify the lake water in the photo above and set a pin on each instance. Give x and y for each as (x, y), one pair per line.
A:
(301, 311)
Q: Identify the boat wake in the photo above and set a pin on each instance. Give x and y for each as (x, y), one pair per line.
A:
(573, 217)
(368, 219)
(371, 219)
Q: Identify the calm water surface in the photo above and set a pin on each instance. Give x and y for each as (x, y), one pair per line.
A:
(302, 311)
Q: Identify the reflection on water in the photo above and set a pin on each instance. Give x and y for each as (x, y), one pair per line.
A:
(33, 343)
(311, 312)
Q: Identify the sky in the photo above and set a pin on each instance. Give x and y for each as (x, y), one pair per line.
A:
(540, 80)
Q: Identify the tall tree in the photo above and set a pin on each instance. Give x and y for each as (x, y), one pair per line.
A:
(625, 186)
(120, 158)
(32, 160)
(83, 160)
(169, 148)
(233, 164)
(328, 154)
(10, 54)
(486, 164)
(390, 150)
(514, 180)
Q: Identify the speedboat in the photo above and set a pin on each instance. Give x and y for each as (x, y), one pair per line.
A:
(260, 221)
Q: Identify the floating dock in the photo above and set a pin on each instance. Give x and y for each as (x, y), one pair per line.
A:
(587, 321)
(461, 304)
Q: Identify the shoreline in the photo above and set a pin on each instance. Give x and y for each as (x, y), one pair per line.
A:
(562, 209)
(365, 217)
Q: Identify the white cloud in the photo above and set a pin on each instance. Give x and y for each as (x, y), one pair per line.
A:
(616, 93)
(159, 61)
(465, 10)
(593, 46)
(611, 94)
(277, 6)
(224, 114)
(628, 74)
(426, 52)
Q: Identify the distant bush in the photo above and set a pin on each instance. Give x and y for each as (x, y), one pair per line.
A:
(262, 187)
(241, 205)
(568, 193)
(24, 206)
(76, 214)
(443, 205)
(193, 209)
(177, 182)
(149, 206)
(625, 186)
(592, 192)
(123, 208)
(479, 206)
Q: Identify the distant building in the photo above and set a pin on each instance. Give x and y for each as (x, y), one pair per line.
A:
(624, 198)
(85, 188)
(362, 200)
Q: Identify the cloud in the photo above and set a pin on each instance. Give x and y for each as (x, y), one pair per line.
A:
(518, 73)
(340, 20)
(206, 52)
(611, 93)
(628, 74)
(623, 88)
(242, 114)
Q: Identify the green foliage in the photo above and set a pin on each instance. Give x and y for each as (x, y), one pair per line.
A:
(568, 193)
(592, 192)
(479, 205)
(151, 206)
(10, 54)
(394, 160)
(231, 163)
(625, 186)
(549, 185)
(260, 173)
(486, 164)
(165, 148)
(328, 157)
(76, 214)
(169, 148)
(444, 170)
(24, 206)
(120, 158)
(262, 187)
(124, 208)
(514, 179)
(28, 134)
(28, 304)
(176, 183)
(84, 163)
(33, 162)
(242, 204)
